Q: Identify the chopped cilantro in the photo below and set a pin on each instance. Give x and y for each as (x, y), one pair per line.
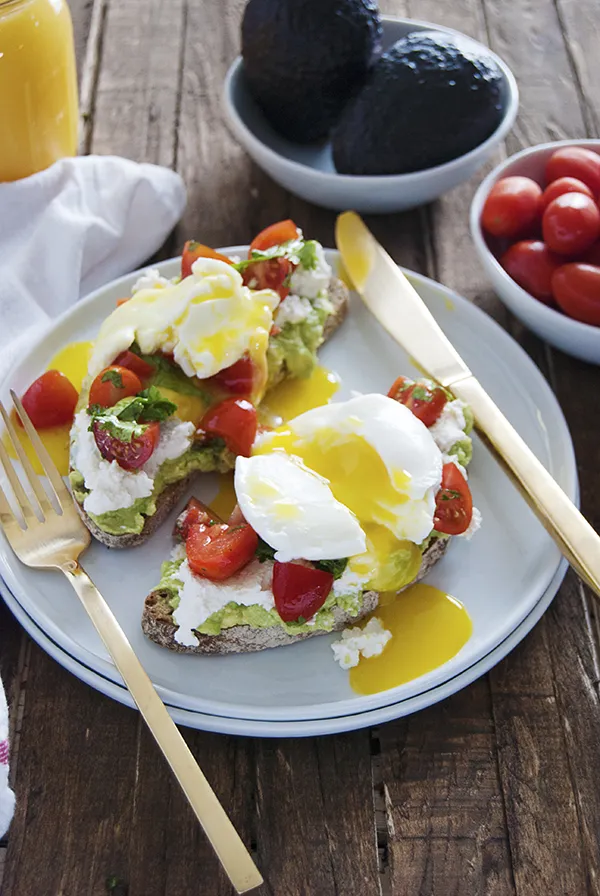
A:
(292, 250)
(264, 551)
(307, 255)
(336, 567)
(126, 420)
(113, 376)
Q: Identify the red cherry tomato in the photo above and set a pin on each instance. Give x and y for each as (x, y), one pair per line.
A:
(112, 384)
(218, 552)
(50, 400)
(563, 185)
(576, 289)
(136, 364)
(233, 420)
(128, 455)
(193, 250)
(193, 514)
(299, 590)
(571, 223)
(592, 255)
(426, 403)
(274, 235)
(453, 503)
(272, 273)
(512, 206)
(531, 264)
(575, 161)
(237, 379)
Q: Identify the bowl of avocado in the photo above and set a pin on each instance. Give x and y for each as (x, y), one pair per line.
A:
(387, 115)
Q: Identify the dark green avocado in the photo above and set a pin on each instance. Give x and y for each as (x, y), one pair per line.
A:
(431, 98)
(304, 59)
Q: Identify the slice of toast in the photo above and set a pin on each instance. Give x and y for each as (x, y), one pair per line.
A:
(338, 296)
(158, 625)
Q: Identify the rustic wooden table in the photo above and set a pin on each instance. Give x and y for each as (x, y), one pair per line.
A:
(494, 791)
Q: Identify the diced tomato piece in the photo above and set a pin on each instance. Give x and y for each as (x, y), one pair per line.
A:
(133, 362)
(112, 384)
(237, 379)
(299, 590)
(274, 235)
(235, 421)
(453, 503)
(193, 514)
(217, 552)
(425, 402)
(193, 250)
(271, 273)
(50, 400)
(129, 455)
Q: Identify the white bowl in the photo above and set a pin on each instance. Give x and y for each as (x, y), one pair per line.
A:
(309, 172)
(572, 336)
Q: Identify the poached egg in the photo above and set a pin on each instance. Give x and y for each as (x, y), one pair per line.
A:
(355, 479)
(208, 321)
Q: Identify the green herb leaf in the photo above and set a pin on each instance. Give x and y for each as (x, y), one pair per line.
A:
(125, 421)
(114, 377)
(307, 255)
(264, 551)
(290, 250)
(336, 567)
(170, 376)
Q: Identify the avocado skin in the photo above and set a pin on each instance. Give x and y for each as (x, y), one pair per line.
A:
(304, 59)
(429, 99)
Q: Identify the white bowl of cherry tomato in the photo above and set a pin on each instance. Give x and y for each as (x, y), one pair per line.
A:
(535, 222)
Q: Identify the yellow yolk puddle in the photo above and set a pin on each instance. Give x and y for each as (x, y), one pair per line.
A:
(72, 360)
(293, 397)
(428, 628)
(225, 500)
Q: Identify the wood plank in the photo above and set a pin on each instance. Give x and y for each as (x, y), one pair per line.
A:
(81, 14)
(579, 20)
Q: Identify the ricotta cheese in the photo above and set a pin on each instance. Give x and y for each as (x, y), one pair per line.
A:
(474, 525)
(199, 598)
(292, 310)
(449, 428)
(110, 486)
(311, 283)
(356, 642)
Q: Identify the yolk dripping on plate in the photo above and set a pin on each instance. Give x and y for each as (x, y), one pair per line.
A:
(428, 628)
(72, 360)
(293, 397)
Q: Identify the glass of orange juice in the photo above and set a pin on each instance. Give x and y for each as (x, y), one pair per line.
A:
(38, 86)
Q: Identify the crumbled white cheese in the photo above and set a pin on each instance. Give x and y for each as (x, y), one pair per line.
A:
(150, 279)
(349, 583)
(356, 642)
(312, 283)
(449, 428)
(200, 598)
(110, 487)
(474, 525)
(292, 310)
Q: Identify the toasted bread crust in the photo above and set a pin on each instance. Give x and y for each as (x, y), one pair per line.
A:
(157, 621)
(338, 296)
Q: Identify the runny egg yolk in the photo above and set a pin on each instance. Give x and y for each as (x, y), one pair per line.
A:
(293, 396)
(72, 360)
(428, 628)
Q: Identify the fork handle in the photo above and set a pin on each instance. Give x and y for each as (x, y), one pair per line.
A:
(225, 840)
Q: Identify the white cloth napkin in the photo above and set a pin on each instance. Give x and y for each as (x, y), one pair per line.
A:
(64, 232)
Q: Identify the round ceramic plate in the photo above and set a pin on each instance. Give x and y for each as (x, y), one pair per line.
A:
(500, 575)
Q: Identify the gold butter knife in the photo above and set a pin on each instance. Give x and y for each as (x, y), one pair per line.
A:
(400, 310)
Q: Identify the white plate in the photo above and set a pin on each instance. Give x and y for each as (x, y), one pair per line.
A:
(307, 728)
(500, 575)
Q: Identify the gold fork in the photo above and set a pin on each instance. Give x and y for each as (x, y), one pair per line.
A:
(52, 536)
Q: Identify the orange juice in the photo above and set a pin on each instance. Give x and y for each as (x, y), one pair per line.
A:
(38, 86)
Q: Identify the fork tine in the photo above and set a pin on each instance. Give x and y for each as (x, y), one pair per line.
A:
(32, 478)
(15, 484)
(7, 517)
(55, 479)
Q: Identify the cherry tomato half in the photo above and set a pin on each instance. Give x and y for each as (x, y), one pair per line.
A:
(571, 223)
(112, 384)
(512, 206)
(218, 552)
(274, 235)
(50, 400)
(193, 514)
(272, 273)
(193, 250)
(237, 379)
(299, 590)
(425, 402)
(129, 455)
(576, 289)
(560, 187)
(575, 161)
(453, 503)
(136, 364)
(531, 264)
(235, 421)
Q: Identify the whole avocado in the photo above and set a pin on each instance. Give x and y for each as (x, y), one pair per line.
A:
(431, 98)
(303, 60)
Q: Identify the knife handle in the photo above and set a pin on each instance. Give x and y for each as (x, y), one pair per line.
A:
(577, 540)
